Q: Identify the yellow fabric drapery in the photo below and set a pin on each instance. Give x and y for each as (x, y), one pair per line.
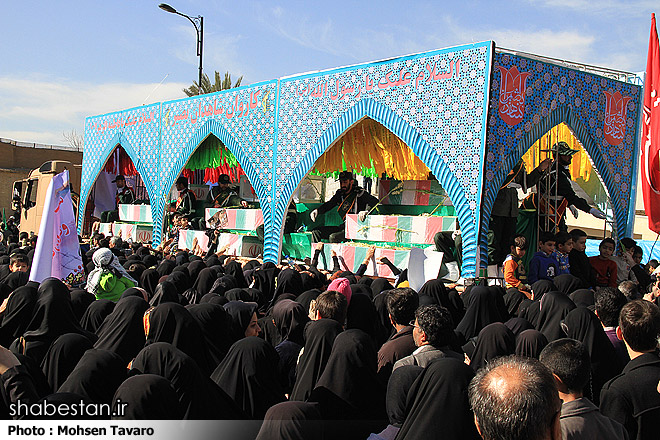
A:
(370, 149)
(580, 166)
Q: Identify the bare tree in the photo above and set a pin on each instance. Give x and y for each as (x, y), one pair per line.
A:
(73, 139)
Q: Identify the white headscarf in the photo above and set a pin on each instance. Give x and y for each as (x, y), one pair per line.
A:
(105, 261)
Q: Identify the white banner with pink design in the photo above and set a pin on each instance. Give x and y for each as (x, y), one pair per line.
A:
(57, 253)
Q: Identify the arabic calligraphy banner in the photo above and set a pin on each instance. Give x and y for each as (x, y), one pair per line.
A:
(242, 118)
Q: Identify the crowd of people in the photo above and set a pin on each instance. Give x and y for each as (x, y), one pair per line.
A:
(333, 354)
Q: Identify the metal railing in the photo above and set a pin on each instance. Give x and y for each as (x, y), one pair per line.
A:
(40, 146)
(619, 75)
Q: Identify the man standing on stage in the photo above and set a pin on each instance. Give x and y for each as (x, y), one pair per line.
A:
(349, 198)
(505, 208)
(125, 196)
(185, 203)
(560, 182)
(224, 196)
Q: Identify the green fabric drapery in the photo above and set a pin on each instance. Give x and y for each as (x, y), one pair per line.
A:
(212, 153)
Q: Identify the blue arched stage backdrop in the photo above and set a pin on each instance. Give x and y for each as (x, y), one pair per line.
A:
(436, 102)
(138, 132)
(528, 97)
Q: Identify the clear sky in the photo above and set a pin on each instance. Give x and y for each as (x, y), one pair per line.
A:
(64, 60)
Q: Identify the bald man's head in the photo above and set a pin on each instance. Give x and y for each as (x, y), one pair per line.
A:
(515, 398)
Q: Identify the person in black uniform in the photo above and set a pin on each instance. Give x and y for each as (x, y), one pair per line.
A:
(185, 203)
(349, 199)
(125, 196)
(505, 208)
(223, 195)
(560, 178)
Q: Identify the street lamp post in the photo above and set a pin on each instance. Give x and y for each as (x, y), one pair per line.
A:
(198, 22)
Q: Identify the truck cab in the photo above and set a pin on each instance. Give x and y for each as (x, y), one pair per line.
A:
(29, 195)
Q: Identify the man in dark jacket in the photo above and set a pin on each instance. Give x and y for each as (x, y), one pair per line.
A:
(185, 203)
(433, 333)
(570, 364)
(349, 199)
(557, 179)
(401, 306)
(125, 196)
(515, 397)
(632, 398)
(223, 195)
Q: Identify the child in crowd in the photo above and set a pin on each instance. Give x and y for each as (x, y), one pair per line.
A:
(643, 277)
(624, 260)
(109, 279)
(579, 262)
(606, 270)
(18, 262)
(543, 266)
(514, 270)
(564, 244)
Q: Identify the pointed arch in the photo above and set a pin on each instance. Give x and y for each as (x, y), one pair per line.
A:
(215, 128)
(467, 216)
(572, 119)
(119, 139)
